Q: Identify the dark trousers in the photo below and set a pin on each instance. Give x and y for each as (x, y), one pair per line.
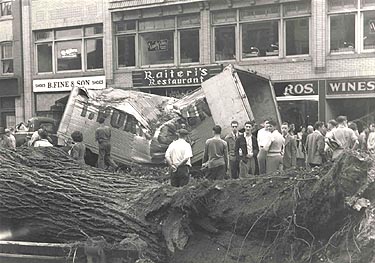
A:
(104, 158)
(216, 173)
(234, 165)
(180, 177)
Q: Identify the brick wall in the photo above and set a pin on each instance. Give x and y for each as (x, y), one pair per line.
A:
(57, 13)
(6, 31)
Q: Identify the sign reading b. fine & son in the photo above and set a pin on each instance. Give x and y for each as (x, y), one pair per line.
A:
(170, 77)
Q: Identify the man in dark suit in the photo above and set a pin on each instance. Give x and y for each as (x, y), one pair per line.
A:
(246, 149)
(290, 147)
(315, 145)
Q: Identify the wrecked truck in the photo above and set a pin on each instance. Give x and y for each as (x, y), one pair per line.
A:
(143, 125)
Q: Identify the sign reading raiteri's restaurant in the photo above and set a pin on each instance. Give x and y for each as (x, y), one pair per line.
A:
(174, 77)
(350, 87)
(67, 84)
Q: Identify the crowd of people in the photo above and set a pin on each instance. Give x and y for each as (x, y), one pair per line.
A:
(250, 151)
(76, 148)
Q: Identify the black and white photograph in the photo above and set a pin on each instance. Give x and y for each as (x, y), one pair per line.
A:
(187, 131)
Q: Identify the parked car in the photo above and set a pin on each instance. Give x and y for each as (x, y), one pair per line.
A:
(34, 124)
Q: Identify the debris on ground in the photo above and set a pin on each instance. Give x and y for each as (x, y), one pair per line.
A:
(323, 215)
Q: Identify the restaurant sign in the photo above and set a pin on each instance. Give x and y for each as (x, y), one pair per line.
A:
(350, 86)
(191, 76)
(67, 84)
(296, 88)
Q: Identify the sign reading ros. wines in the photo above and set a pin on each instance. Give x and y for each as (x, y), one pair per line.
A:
(360, 86)
(192, 76)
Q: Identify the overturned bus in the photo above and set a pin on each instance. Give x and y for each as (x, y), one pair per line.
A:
(143, 125)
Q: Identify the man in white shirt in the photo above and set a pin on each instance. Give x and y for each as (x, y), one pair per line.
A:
(344, 136)
(262, 138)
(43, 141)
(178, 157)
(274, 148)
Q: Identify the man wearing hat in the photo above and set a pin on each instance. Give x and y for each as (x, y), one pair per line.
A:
(178, 157)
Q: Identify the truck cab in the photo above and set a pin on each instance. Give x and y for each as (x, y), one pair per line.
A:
(34, 124)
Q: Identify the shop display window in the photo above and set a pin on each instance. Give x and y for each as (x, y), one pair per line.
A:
(78, 48)
(369, 30)
(342, 33)
(225, 43)
(5, 8)
(260, 39)
(126, 51)
(157, 48)
(6, 57)
(297, 36)
(189, 46)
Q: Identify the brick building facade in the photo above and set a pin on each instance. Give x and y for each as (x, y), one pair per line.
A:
(319, 54)
(11, 100)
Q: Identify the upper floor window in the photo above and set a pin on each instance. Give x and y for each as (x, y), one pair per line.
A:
(79, 49)
(6, 57)
(352, 26)
(5, 8)
(259, 33)
(167, 40)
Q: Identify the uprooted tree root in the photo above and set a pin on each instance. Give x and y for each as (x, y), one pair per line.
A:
(294, 216)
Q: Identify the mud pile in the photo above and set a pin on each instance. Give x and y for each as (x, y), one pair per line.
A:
(324, 215)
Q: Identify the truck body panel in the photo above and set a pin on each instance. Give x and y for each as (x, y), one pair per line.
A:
(143, 125)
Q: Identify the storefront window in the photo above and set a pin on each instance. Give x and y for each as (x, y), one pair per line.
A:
(297, 36)
(225, 44)
(44, 53)
(189, 46)
(7, 58)
(260, 39)
(157, 48)
(5, 8)
(126, 51)
(69, 55)
(78, 48)
(369, 30)
(342, 33)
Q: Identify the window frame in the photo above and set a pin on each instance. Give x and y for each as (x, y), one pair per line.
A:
(137, 38)
(2, 59)
(1, 8)
(54, 41)
(358, 11)
(281, 20)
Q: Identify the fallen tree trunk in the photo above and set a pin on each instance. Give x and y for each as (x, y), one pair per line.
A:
(296, 215)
